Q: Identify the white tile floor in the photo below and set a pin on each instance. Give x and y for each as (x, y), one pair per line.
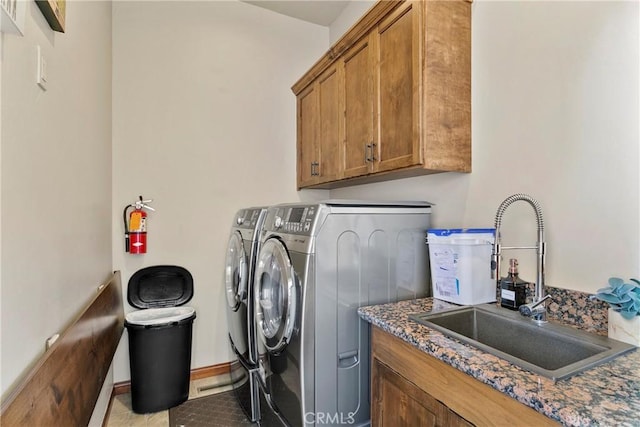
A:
(121, 414)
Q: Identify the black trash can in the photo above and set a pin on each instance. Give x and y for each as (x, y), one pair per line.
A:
(159, 337)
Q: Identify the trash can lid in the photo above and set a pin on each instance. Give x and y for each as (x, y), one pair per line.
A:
(160, 286)
(159, 316)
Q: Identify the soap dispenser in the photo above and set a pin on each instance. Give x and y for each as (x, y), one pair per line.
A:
(513, 290)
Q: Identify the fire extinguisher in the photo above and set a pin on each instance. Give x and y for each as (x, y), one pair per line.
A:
(135, 229)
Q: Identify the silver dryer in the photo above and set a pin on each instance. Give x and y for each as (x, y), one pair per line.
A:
(242, 251)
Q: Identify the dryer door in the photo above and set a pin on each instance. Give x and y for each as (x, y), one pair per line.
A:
(236, 271)
(276, 296)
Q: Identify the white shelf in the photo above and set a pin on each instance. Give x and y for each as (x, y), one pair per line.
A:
(12, 13)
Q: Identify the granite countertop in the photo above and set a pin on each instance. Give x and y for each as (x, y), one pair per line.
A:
(607, 395)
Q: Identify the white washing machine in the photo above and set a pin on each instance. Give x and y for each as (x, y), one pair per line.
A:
(242, 251)
(317, 264)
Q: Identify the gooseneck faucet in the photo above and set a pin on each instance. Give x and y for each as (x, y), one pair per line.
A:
(536, 310)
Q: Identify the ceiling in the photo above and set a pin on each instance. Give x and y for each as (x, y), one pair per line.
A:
(321, 12)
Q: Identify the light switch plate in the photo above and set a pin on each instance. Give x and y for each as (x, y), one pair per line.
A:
(41, 72)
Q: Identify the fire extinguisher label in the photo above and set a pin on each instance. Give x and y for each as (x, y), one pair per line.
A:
(137, 222)
(134, 221)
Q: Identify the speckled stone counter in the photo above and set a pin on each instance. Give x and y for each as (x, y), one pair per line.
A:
(607, 395)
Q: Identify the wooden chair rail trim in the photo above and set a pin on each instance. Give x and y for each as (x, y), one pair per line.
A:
(64, 385)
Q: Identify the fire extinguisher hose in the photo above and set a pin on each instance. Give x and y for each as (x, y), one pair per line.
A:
(126, 228)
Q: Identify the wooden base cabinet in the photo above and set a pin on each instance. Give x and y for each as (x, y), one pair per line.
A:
(400, 403)
(410, 388)
(402, 94)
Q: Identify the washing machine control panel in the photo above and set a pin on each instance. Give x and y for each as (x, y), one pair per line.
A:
(298, 219)
(248, 218)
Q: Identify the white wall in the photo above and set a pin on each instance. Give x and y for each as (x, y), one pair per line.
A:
(555, 107)
(351, 13)
(204, 124)
(55, 178)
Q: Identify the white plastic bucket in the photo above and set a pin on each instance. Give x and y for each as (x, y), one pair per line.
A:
(460, 261)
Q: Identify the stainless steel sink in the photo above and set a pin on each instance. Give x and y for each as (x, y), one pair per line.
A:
(551, 350)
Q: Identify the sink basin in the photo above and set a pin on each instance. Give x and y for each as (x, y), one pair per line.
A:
(551, 350)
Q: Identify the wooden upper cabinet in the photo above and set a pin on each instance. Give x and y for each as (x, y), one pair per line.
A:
(308, 153)
(359, 109)
(330, 117)
(399, 85)
(398, 79)
(319, 130)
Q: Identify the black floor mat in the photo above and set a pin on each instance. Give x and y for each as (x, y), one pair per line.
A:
(216, 410)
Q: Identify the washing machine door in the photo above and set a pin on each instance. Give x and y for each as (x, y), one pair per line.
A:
(236, 271)
(276, 296)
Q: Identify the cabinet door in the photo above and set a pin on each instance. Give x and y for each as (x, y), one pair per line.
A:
(359, 109)
(399, 403)
(308, 157)
(330, 117)
(398, 79)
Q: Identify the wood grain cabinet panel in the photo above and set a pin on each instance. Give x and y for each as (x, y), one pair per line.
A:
(400, 403)
(307, 136)
(403, 96)
(330, 126)
(359, 109)
(399, 134)
(319, 130)
(411, 388)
